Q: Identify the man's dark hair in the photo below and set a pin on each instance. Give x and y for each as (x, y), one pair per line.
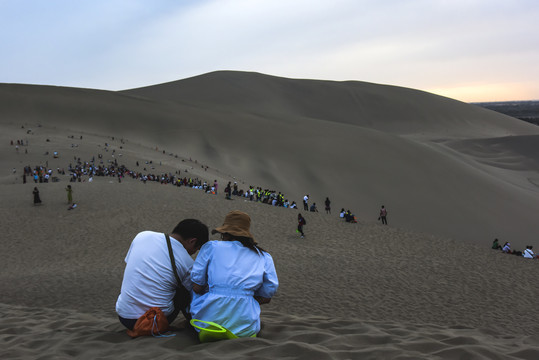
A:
(193, 228)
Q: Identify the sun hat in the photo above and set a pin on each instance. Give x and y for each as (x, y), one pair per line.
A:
(236, 223)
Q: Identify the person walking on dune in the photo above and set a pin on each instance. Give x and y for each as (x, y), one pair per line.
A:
(69, 194)
(383, 215)
(37, 200)
(301, 222)
(306, 202)
(328, 206)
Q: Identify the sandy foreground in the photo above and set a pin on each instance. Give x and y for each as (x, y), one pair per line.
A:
(347, 291)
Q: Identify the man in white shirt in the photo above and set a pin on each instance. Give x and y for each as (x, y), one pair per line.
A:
(306, 203)
(149, 280)
(528, 253)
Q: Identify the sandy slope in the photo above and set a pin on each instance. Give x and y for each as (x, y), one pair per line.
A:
(361, 144)
(347, 291)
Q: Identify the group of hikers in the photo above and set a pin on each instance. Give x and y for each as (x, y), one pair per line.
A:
(218, 293)
(506, 248)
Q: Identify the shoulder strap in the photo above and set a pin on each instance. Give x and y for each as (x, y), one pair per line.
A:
(172, 262)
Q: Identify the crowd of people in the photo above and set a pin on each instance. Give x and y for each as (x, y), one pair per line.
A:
(81, 171)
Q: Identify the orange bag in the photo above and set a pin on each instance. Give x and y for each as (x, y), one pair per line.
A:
(153, 322)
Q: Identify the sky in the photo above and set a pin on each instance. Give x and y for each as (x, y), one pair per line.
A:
(469, 50)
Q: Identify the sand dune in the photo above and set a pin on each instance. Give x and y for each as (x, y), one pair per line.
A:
(347, 290)
(360, 144)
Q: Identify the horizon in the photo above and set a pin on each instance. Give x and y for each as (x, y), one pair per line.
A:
(479, 52)
(150, 85)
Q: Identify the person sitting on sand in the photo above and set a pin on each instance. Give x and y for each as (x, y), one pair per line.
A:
(506, 248)
(149, 280)
(528, 253)
(313, 208)
(232, 278)
(349, 217)
(294, 205)
(496, 245)
(342, 213)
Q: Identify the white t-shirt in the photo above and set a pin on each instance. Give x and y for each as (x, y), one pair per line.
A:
(528, 254)
(148, 278)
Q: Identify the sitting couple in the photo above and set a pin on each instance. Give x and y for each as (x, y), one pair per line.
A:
(227, 282)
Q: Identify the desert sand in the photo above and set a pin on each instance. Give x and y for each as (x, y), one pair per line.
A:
(452, 175)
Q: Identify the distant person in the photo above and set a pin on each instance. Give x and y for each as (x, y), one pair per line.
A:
(149, 280)
(496, 245)
(69, 194)
(306, 203)
(342, 213)
(506, 248)
(37, 200)
(293, 205)
(232, 278)
(215, 185)
(313, 208)
(528, 253)
(383, 215)
(301, 222)
(328, 206)
(228, 191)
(349, 217)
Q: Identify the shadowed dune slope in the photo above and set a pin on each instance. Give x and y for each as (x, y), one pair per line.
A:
(360, 144)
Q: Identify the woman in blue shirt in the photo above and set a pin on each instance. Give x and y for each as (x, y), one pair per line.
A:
(232, 278)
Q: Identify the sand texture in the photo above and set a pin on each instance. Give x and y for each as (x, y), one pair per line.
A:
(427, 286)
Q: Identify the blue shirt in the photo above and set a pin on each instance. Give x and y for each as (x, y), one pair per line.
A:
(234, 275)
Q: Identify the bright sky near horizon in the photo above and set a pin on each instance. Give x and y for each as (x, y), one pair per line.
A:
(470, 50)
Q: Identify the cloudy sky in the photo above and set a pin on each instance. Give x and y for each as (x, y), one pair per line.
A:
(470, 50)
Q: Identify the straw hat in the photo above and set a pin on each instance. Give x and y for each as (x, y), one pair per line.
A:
(236, 223)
